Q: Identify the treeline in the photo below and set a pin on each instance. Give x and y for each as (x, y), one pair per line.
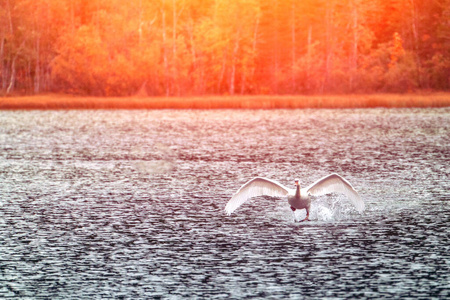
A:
(203, 47)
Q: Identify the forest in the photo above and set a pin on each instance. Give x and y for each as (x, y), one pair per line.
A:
(223, 47)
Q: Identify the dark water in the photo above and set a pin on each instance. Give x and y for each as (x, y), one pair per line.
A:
(129, 204)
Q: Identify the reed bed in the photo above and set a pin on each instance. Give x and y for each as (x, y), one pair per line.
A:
(54, 102)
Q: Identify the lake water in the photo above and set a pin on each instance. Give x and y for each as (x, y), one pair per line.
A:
(130, 204)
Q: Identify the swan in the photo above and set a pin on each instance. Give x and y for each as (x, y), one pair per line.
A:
(298, 198)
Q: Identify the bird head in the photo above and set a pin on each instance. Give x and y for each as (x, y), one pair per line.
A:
(297, 182)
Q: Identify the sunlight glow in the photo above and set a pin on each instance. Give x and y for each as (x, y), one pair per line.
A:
(204, 47)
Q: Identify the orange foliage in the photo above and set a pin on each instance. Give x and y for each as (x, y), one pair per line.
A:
(204, 47)
(397, 50)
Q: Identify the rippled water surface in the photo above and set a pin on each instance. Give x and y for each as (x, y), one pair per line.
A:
(129, 204)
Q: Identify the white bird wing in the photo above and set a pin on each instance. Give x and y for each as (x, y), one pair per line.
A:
(336, 184)
(258, 186)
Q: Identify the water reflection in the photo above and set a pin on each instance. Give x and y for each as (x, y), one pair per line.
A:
(129, 204)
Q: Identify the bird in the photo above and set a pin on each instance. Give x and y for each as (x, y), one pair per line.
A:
(298, 198)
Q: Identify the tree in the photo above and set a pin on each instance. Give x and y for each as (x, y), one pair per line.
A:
(185, 47)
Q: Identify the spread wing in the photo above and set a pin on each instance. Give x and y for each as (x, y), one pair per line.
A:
(336, 184)
(258, 186)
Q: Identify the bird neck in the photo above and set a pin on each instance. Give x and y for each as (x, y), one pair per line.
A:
(297, 191)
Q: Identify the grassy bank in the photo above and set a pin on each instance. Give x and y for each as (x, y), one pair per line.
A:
(226, 102)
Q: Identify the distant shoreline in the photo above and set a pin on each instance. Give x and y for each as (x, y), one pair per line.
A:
(68, 102)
